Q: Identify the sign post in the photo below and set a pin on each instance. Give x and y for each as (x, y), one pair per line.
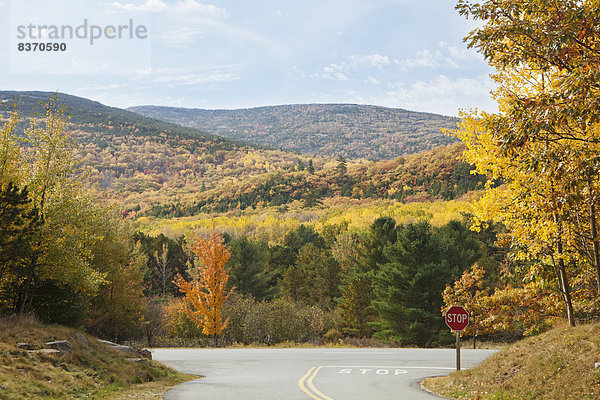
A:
(457, 319)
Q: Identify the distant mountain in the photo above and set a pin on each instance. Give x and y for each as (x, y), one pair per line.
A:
(90, 115)
(349, 130)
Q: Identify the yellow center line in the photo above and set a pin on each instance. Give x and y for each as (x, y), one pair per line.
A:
(303, 388)
(314, 389)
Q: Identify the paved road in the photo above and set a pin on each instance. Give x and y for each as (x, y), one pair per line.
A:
(318, 374)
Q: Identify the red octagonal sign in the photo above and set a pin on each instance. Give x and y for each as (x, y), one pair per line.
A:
(457, 318)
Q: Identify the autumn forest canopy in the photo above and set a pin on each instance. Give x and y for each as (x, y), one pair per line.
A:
(133, 228)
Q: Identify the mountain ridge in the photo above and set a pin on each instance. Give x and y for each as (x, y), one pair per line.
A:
(82, 111)
(335, 129)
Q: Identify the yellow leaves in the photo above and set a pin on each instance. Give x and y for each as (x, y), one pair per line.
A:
(10, 155)
(204, 298)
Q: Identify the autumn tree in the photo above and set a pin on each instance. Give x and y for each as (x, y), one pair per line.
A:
(543, 143)
(10, 154)
(354, 304)
(205, 296)
(42, 159)
(19, 222)
(161, 258)
(117, 310)
(469, 291)
(313, 279)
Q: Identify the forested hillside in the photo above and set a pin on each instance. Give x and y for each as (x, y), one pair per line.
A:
(348, 130)
(434, 175)
(141, 161)
(165, 170)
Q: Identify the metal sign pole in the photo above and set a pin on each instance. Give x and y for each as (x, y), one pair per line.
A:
(458, 350)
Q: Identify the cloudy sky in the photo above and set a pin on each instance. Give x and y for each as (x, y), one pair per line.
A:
(246, 53)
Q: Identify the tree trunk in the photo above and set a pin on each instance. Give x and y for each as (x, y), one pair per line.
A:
(26, 289)
(563, 280)
(216, 340)
(594, 232)
(566, 292)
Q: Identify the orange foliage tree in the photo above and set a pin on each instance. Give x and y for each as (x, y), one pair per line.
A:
(204, 297)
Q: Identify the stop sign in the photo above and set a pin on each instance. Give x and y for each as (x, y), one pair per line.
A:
(457, 318)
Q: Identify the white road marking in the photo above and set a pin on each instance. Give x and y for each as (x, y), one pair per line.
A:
(385, 367)
(315, 394)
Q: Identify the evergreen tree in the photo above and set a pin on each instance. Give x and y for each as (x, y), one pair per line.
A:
(341, 168)
(409, 286)
(304, 234)
(19, 222)
(246, 267)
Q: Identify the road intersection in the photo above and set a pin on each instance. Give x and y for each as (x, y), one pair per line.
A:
(304, 374)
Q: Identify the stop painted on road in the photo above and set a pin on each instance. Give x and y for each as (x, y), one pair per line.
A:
(372, 371)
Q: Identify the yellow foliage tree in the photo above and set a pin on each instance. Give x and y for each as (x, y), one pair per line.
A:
(204, 297)
(468, 292)
(544, 141)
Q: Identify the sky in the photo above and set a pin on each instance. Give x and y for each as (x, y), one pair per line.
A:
(230, 54)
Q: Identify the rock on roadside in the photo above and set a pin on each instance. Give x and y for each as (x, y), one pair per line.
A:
(128, 349)
(64, 346)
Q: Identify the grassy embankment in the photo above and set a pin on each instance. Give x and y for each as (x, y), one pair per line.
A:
(559, 364)
(92, 371)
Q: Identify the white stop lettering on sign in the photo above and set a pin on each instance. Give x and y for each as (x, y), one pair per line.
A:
(459, 318)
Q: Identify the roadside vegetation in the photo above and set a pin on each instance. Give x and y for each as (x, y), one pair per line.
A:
(89, 370)
(543, 146)
(558, 364)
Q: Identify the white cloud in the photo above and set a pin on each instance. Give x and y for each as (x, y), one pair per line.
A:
(341, 71)
(372, 80)
(196, 79)
(195, 76)
(445, 55)
(188, 21)
(332, 72)
(185, 6)
(423, 58)
(441, 95)
(205, 9)
(370, 60)
(180, 36)
(149, 5)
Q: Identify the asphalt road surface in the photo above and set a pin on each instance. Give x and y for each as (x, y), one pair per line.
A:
(318, 374)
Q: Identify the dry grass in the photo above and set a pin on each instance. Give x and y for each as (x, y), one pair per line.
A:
(558, 364)
(86, 372)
